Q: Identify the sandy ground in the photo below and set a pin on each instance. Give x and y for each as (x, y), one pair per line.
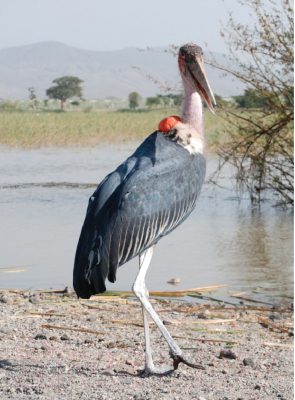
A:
(41, 362)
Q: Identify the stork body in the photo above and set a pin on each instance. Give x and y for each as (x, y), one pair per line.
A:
(144, 199)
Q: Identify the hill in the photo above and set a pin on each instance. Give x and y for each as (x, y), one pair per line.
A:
(105, 73)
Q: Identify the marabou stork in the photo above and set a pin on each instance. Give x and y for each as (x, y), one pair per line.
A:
(146, 198)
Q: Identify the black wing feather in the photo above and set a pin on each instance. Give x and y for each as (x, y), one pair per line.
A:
(147, 197)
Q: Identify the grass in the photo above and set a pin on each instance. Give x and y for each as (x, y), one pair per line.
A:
(58, 129)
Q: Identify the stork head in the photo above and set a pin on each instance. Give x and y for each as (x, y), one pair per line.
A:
(191, 65)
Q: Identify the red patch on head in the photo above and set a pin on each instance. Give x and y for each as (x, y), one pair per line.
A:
(168, 123)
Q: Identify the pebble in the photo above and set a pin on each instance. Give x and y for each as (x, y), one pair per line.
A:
(5, 363)
(41, 336)
(174, 281)
(248, 362)
(276, 307)
(273, 317)
(204, 315)
(65, 337)
(34, 300)
(69, 290)
(227, 354)
(4, 299)
(91, 319)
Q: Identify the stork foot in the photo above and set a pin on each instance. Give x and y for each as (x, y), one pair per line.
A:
(152, 370)
(178, 358)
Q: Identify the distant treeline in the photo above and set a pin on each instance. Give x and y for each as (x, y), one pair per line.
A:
(250, 99)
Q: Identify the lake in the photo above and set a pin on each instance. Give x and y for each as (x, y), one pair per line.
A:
(44, 196)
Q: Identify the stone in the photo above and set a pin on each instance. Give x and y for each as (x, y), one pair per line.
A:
(4, 299)
(174, 281)
(273, 317)
(41, 336)
(203, 315)
(34, 300)
(65, 337)
(248, 362)
(276, 307)
(5, 363)
(69, 290)
(227, 354)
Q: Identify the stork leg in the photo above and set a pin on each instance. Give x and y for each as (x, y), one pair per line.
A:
(139, 290)
(149, 364)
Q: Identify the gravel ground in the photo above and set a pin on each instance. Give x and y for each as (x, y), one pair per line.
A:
(38, 362)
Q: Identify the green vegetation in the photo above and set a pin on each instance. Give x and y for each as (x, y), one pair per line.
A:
(66, 88)
(260, 143)
(153, 101)
(32, 97)
(134, 99)
(252, 99)
(60, 128)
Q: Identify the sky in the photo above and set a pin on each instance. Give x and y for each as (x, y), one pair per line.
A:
(117, 24)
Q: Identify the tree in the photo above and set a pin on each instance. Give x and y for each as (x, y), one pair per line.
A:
(75, 103)
(251, 99)
(32, 97)
(153, 101)
(164, 99)
(134, 99)
(177, 98)
(66, 88)
(260, 142)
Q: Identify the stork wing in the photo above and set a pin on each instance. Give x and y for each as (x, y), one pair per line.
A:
(123, 219)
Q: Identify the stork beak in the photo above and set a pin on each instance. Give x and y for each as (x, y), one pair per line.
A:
(191, 66)
(200, 81)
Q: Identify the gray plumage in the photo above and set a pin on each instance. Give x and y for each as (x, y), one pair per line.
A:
(144, 199)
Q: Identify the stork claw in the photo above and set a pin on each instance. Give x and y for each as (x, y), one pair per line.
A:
(178, 358)
(152, 370)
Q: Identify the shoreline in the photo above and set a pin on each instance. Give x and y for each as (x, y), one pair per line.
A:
(247, 353)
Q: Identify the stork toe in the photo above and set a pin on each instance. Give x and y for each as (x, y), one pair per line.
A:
(152, 370)
(178, 358)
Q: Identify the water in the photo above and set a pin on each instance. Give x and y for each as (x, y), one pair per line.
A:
(224, 241)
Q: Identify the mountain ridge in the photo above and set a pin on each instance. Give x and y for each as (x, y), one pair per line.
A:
(105, 73)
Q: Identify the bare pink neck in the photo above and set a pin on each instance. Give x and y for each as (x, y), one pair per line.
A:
(192, 109)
